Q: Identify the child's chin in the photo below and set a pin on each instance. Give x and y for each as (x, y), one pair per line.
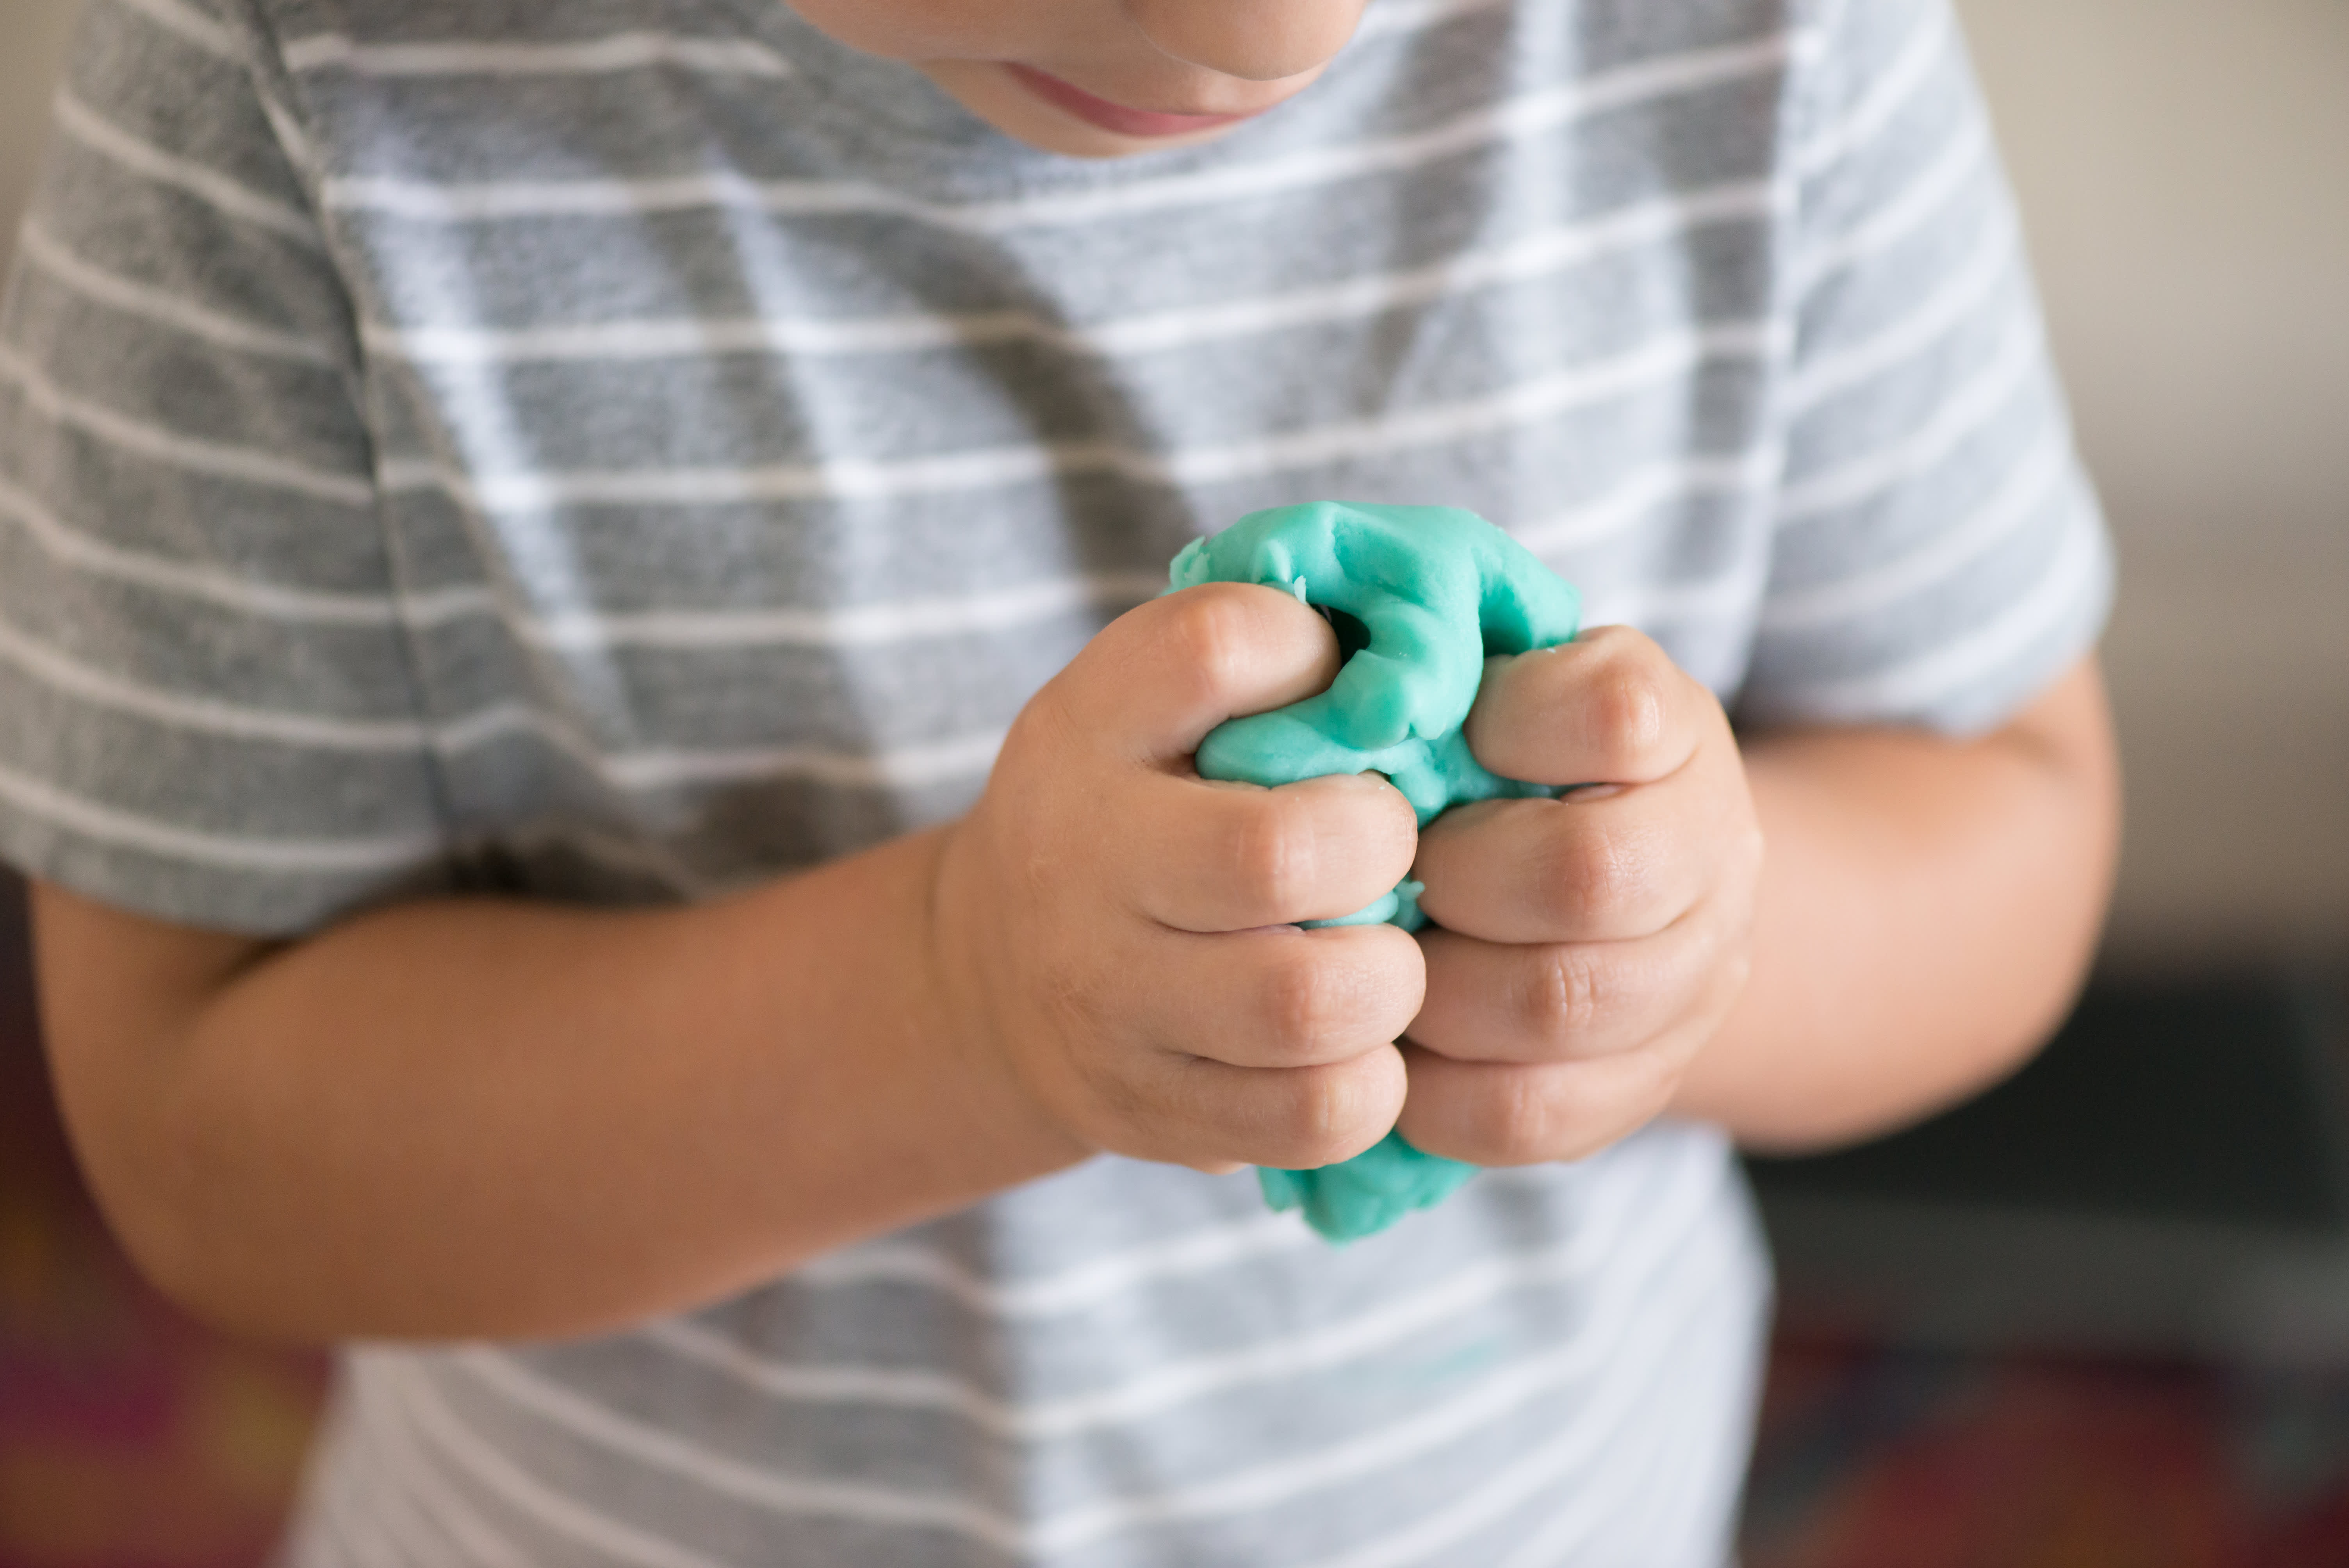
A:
(995, 96)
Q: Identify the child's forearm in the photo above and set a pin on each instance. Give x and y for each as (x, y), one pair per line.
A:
(1926, 913)
(496, 1118)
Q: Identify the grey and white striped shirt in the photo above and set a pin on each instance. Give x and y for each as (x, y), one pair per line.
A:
(614, 449)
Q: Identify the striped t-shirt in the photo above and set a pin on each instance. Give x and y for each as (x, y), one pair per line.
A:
(615, 449)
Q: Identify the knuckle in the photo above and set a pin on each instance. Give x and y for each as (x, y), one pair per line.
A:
(1533, 1115)
(1393, 827)
(1274, 854)
(1211, 630)
(1582, 872)
(1322, 1119)
(1628, 713)
(1306, 1001)
(1562, 997)
(1515, 1123)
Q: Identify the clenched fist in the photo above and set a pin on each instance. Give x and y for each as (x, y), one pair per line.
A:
(1118, 932)
(1589, 945)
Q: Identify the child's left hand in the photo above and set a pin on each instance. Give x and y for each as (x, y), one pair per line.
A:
(1589, 945)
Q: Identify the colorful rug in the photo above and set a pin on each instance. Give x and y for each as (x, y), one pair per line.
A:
(130, 1435)
(1871, 1457)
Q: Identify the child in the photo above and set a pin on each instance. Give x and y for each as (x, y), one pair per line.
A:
(528, 524)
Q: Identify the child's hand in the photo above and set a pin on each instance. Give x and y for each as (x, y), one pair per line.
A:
(1590, 944)
(1111, 928)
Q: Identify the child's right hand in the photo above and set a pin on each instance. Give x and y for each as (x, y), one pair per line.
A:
(1115, 931)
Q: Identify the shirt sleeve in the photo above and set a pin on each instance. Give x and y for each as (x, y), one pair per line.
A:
(1938, 555)
(207, 711)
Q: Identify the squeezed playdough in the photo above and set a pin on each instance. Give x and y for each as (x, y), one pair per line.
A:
(1420, 596)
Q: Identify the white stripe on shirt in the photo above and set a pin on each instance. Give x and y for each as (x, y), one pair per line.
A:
(1660, 361)
(1640, 492)
(402, 1459)
(772, 1490)
(1326, 1344)
(1080, 1288)
(37, 246)
(61, 673)
(1646, 1252)
(846, 626)
(268, 857)
(1941, 313)
(1527, 259)
(1970, 405)
(216, 460)
(582, 56)
(1596, 1430)
(227, 196)
(402, 1387)
(1930, 677)
(1513, 120)
(586, 631)
(1869, 592)
(1623, 1325)
(1724, 598)
(1586, 525)
(912, 767)
(292, 140)
(920, 765)
(1073, 1290)
(1674, 1381)
(266, 601)
(1887, 96)
(191, 27)
(1921, 200)
(398, 1519)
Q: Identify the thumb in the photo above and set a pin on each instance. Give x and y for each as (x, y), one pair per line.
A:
(1160, 676)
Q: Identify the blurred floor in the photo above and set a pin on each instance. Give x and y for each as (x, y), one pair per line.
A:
(1872, 1457)
(130, 1437)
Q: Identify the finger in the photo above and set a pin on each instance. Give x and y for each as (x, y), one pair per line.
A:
(1495, 1113)
(1491, 1002)
(1160, 676)
(1585, 867)
(1206, 1114)
(1281, 997)
(1206, 856)
(1608, 708)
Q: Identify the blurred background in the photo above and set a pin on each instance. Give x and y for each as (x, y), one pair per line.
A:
(2100, 1317)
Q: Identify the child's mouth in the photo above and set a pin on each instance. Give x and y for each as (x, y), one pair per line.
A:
(1113, 116)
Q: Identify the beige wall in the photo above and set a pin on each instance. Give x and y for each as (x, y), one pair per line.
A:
(32, 36)
(2184, 167)
(2184, 170)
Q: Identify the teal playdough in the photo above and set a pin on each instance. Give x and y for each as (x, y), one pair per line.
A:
(1420, 596)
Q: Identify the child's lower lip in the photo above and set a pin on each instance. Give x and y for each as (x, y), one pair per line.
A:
(1113, 116)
